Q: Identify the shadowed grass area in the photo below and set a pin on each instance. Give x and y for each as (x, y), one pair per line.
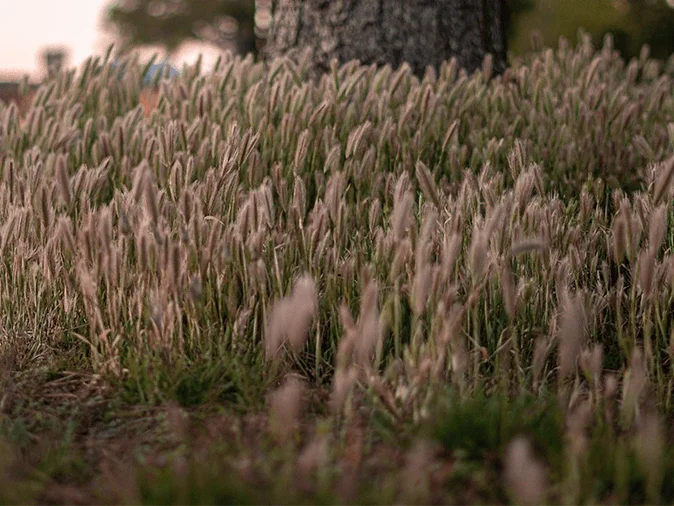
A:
(482, 425)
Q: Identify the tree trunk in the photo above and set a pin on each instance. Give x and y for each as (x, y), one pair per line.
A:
(420, 32)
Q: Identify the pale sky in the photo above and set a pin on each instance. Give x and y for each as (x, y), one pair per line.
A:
(27, 26)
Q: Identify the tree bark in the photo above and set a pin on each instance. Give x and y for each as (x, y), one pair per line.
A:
(420, 32)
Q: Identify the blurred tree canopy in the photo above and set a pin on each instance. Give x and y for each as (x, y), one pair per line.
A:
(242, 25)
(226, 24)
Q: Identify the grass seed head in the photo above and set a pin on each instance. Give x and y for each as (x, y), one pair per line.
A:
(524, 188)
(657, 228)
(610, 386)
(401, 216)
(577, 423)
(525, 476)
(635, 383)
(368, 327)
(526, 245)
(451, 249)
(477, 255)
(592, 362)
(342, 384)
(620, 243)
(291, 317)
(663, 181)
(402, 254)
(66, 234)
(313, 457)
(572, 333)
(280, 315)
(286, 408)
(427, 184)
(299, 203)
(646, 269)
(509, 291)
(421, 288)
(305, 307)
(62, 180)
(541, 347)
(45, 206)
(151, 203)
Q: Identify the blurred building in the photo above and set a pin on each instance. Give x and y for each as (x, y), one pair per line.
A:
(10, 90)
(10, 86)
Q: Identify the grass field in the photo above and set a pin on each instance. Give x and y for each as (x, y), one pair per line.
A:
(254, 288)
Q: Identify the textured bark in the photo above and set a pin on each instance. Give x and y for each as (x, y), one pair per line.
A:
(420, 32)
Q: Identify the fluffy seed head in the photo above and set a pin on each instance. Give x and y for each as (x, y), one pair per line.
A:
(62, 180)
(635, 383)
(509, 291)
(45, 207)
(619, 238)
(451, 249)
(421, 288)
(66, 234)
(401, 216)
(592, 361)
(368, 328)
(314, 456)
(663, 181)
(151, 203)
(286, 408)
(291, 317)
(646, 269)
(427, 184)
(525, 476)
(478, 253)
(402, 255)
(342, 384)
(572, 334)
(540, 354)
(524, 188)
(526, 245)
(657, 228)
(576, 425)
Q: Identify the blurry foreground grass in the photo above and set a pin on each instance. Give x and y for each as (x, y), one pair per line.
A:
(367, 289)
